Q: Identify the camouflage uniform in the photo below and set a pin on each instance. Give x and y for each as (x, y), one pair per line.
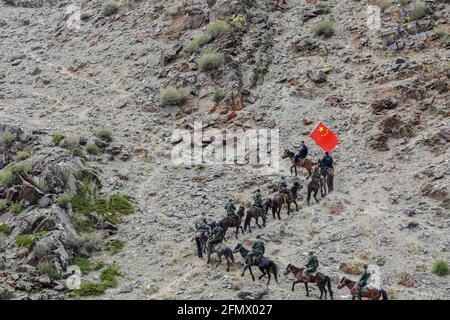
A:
(257, 198)
(257, 250)
(311, 266)
(231, 211)
(362, 282)
(215, 237)
(282, 185)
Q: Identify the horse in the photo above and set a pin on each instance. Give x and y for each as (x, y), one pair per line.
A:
(281, 198)
(228, 222)
(314, 185)
(303, 163)
(328, 177)
(320, 279)
(371, 293)
(201, 236)
(254, 212)
(222, 250)
(265, 265)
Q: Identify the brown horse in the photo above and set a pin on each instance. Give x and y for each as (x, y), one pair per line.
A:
(314, 185)
(371, 293)
(303, 163)
(254, 212)
(280, 199)
(320, 279)
(228, 222)
(328, 177)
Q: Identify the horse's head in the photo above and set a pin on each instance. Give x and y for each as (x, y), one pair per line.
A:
(241, 211)
(288, 269)
(237, 248)
(212, 224)
(285, 154)
(342, 283)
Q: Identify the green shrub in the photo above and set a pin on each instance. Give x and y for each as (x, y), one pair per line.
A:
(3, 205)
(109, 274)
(5, 229)
(21, 167)
(92, 149)
(24, 240)
(22, 155)
(195, 44)
(110, 7)
(173, 96)
(81, 223)
(324, 28)
(120, 203)
(104, 134)
(116, 246)
(63, 200)
(49, 269)
(16, 207)
(440, 267)
(84, 264)
(210, 61)
(326, 9)
(6, 138)
(217, 94)
(420, 10)
(443, 34)
(384, 4)
(215, 28)
(76, 151)
(99, 265)
(90, 288)
(57, 138)
(6, 177)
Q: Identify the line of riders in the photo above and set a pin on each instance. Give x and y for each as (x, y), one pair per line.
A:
(215, 235)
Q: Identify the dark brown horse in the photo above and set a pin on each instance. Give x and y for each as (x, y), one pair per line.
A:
(371, 293)
(280, 199)
(256, 213)
(315, 185)
(228, 222)
(320, 279)
(303, 163)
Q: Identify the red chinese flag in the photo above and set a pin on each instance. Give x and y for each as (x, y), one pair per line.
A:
(324, 137)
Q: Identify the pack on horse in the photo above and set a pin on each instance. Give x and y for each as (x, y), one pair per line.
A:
(254, 212)
(315, 185)
(320, 279)
(303, 163)
(265, 265)
(280, 199)
(229, 222)
(222, 250)
(371, 293)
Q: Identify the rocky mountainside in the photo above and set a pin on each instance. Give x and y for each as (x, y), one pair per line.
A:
(91, 93)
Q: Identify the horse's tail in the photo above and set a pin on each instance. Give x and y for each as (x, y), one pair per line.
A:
(199, 246)
(274, 269)
(330, 182)
(248, 218)
(274, 208)
(308, 198)
(384, 294)
(328, 282)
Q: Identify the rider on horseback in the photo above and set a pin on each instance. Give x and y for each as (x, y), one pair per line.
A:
(215, 237)
(311, 266)
(257, 250)
(257, 199)
(302, 152)
(362, 281)
(201, 223)
(231, 211)
(327, 161)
